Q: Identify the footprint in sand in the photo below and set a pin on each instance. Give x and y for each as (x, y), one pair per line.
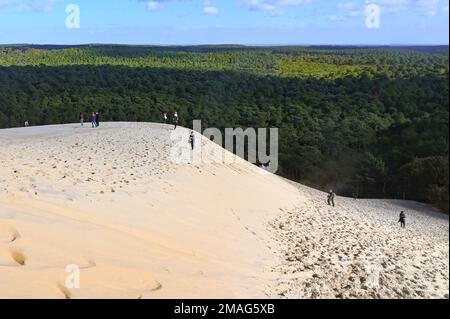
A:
(66, 292)
(8, 234)
(17, 256)
(9, 256)
(97, 279)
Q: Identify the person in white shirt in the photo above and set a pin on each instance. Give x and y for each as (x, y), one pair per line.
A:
(175, 119)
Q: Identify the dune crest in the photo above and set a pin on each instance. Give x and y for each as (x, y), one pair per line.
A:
(111, 201)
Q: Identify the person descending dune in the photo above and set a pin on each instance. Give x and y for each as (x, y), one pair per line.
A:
(402, 219)
(330, 199)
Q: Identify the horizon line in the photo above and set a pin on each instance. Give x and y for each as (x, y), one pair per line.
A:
(229, 44)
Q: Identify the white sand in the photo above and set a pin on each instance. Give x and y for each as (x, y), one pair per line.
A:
(358, 250)
(111, 201)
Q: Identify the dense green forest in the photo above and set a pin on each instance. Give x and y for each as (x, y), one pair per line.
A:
(368, 120)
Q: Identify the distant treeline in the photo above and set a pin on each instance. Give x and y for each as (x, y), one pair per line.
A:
(371, 121)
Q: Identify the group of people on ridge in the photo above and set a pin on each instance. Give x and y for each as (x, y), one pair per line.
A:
(95, 119)
(175, 119)
(332, 195)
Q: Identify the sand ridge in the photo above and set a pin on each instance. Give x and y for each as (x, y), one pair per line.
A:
(139, 226)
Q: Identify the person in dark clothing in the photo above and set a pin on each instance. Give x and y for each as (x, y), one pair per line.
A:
(94, 120)
(175, 119)
(192, 140)
(97, 119)
(402, 219)
(331, 196)
(81, 118)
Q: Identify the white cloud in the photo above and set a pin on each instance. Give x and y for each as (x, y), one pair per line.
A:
(337, 17)
(29, 5)
(423, 6)
(154, 5)
(211, 10)
(157, 5)
(348, 10)
(274, 7)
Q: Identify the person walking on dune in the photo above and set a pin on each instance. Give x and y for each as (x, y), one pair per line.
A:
(94, 120)
(81, 118)
(402, 219)
(192, 140)
(175, 119)
(330, 199)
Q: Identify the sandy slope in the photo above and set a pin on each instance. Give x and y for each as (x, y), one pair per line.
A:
(357, 250)
(138, 225)
(111, 201)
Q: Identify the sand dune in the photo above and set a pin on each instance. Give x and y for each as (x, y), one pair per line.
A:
(357, 250)
(137, 225)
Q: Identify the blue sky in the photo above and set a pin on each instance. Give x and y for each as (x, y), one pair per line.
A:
(225, 21)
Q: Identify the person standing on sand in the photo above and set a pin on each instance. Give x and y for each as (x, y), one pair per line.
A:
(165, 117)
(81, 118)
(94, 120)
(175, 119)
(97, 119)
(402, 219)
(331, 196)
(192, 140)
